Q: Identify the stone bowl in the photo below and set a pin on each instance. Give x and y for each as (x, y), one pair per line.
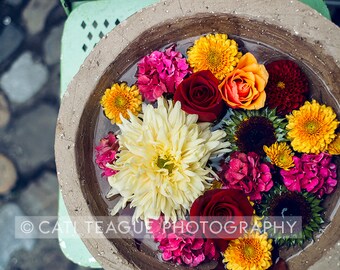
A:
(288, 26)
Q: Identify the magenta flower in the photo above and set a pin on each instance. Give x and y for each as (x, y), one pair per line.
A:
(180, 244)
(245, 172)
(106, 153)
(161, 72)
(159, 229)
(313, 173)
(292, 178)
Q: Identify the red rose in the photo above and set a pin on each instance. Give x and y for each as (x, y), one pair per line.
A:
(221, 206)
(199, 94)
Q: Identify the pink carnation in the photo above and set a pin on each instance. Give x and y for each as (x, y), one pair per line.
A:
(106, 153)
(245, 172)
(179, 245)
(159, 228)
(161, 72)
(313, 173)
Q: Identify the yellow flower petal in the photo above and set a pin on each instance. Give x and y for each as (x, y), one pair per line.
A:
(214, 52)
(280, 155)
(334, 146)
(312, 128)
(119, 100)
(252, 251)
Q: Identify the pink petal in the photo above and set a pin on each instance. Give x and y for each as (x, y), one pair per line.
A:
(197, 244)
(197, 260)
(167, 255)
(187, 258)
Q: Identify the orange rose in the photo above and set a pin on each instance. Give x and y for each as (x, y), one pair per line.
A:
(244, 86)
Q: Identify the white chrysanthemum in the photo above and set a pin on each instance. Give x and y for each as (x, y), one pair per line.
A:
(162, 161)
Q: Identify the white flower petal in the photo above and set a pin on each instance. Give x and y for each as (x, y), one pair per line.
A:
(168, 137)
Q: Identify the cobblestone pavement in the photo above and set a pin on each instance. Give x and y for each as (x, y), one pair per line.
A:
(30, 33)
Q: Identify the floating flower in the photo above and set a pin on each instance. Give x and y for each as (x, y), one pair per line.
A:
(214, 52)
(312, 128)
(179, 245)
(280, 202)
(222, 206)
(252, 251)
(249, 131)
(106, 153)
(245, 172)
(199, 94)
(159, 228)
(162, 162)
(252, 134)
(182, 250)
(334, 147)
(119, 100)
(243, 88)
(280, 155)
(313, 173)
(161, 72)
(287, 87)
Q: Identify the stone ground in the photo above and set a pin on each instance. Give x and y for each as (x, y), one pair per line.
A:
(30, 33)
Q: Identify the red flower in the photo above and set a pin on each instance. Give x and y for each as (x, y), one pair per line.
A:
(226, 207)
(287, 87)
(199, 94)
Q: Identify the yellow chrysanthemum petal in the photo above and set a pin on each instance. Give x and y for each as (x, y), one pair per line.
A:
(256, 220)
(162, 161)
(216, 53)
(334, 146)
(280, 155)
(311, 128)
(252, 251)
(119, 100)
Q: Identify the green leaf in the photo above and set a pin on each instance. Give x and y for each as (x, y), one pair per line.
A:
(317, 209)
(314, 225)
(319, 220)
(300, 242)
(308, 234)
(309, 228)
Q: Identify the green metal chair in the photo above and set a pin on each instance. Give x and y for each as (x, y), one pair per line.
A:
(87, 23)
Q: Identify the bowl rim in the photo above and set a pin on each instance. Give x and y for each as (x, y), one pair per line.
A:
(312, 28)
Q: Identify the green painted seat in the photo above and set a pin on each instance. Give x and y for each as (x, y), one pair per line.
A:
(87, 23)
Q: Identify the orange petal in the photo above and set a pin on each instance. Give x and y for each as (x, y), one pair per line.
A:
(263, 73)
(246, 60)
(257, 103)
(260, 83)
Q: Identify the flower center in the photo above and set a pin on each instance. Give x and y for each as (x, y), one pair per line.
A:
(214, 59)
(284, 158)
(120, 101)
(281, 85)
(243, 88)
(291, 204)
(249, 251)
(166, 163)
(216, 185)
(253, 133)
(312, 127)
